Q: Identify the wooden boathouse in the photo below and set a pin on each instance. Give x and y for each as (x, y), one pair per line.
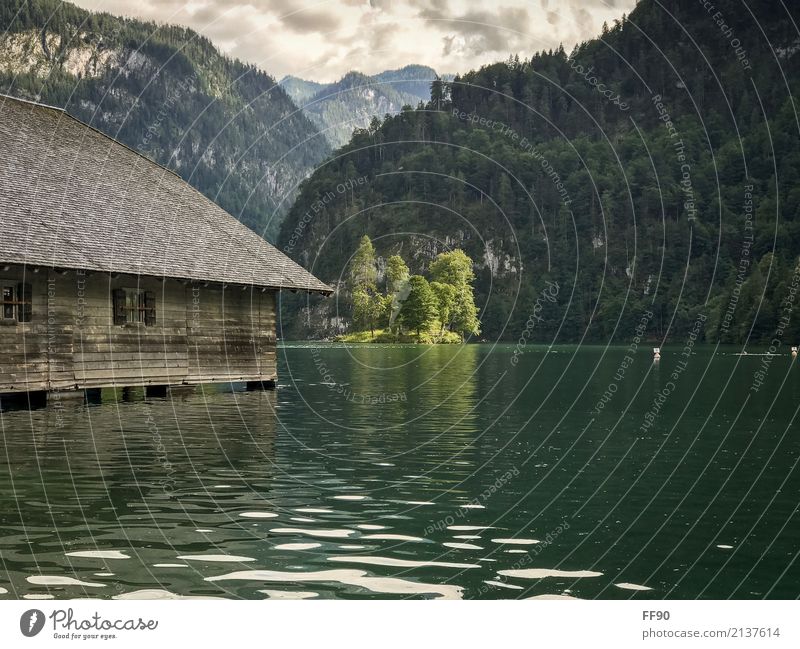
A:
(116, 273)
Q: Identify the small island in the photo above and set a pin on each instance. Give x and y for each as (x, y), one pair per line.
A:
(436, 309)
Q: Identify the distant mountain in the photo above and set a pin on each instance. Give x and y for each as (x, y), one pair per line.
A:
(299, 89)
(412, 80)
(224, 126)
(353, 101)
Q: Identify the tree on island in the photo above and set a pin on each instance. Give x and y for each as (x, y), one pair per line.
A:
(368, 305)
(420, 307)
(454, 269)
(397, 274)
(363, 271)
(397, 287)
(441, 310)
(368, 309)
(445, 302)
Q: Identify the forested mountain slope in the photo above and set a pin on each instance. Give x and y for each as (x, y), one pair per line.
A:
(652, 174)
(166, 91)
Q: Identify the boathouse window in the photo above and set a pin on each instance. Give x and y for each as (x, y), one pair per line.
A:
(17, 302)
(133, 305)
(9, 309)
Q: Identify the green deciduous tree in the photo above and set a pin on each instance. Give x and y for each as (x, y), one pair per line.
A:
(397, 274)
(397, 288)
(368, 309)
(445, 301)
(368, 304)
(419, 308)
(363, 272)
(454, 268)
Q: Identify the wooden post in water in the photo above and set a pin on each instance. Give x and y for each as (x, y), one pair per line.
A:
(253, 386)
(27, 400)
(155, 391)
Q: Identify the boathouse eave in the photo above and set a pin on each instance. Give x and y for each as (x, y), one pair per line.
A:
(35, 268)
(73, 197)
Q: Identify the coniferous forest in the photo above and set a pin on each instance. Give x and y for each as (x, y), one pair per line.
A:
(626, 171)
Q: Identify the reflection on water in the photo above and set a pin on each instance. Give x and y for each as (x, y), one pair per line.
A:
(433, 472)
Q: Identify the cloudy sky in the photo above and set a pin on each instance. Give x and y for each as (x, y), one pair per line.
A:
(322, 40)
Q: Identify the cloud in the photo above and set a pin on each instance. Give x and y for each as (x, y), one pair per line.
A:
(324, 39)
(448, 45)
(582, 18)
(502, 31)
(311, 21)
(484, 33)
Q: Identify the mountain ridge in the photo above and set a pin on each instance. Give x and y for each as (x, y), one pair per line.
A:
(351, 102)
(224, 126)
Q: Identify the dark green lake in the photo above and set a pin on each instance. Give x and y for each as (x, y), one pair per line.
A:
(448, 471)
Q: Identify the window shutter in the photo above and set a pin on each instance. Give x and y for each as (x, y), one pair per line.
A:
(118, 301)
(24, 310)
(150, 308)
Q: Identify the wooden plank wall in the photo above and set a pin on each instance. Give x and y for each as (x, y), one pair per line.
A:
(61, 313)
(131, 354)
(23, 346)
(202, 334)
(230, 333)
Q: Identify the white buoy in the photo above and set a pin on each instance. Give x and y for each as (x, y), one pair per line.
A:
(656, 353)
(794, 352)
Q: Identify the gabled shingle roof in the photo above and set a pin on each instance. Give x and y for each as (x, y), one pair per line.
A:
(72, 197)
